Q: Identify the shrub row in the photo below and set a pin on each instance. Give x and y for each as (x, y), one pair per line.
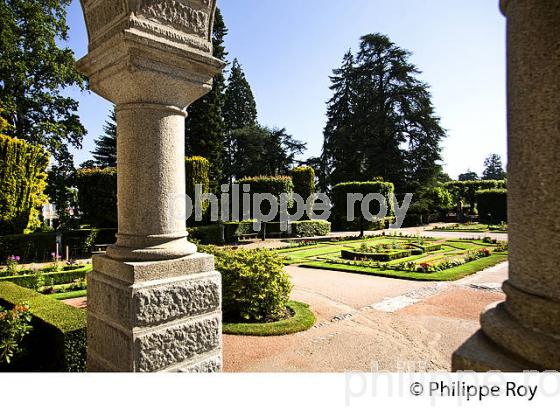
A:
(379, 257)
(308, 229)
(340, 201)
(50, 279)
(466, 190)
(37, 247)
(492, 205)
(97, 196)
(23, 175)
(57, 342)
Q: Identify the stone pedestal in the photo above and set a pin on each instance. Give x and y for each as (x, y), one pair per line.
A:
(154, 304)
(524, 332)
(154, 316)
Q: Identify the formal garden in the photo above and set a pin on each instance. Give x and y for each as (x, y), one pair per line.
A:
(46, 262)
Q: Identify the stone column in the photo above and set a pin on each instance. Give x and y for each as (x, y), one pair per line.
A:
(154, 304)
(524, 332)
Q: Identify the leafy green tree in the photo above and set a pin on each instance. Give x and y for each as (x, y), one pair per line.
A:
(61, 193)
(204, 128)
(381, 121)
(105, 152)
(240, 111)
(493, 168)
(263, 151)
(34, 71)
(469, 176)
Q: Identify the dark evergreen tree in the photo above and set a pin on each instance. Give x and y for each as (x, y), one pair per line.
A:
(34, 71)
(105, 152)
(493, 168)
(264, 151)
(240, 111)
(469, 176)
(381, 122)
(204, 128)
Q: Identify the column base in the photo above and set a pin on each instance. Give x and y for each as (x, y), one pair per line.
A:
(154, 316)
(480, 354)
(504, 344)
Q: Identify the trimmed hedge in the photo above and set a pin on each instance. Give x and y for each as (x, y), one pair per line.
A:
(197, 171)
(494, 202)
(57, 342)
(267, 185)
(234, 230)
(97, 196)
(206, 235)
(304, 181)
(23, 175)
(37, 247)
(308, 229)
(339, 194)
(466, 190)
(50, 279)
(379, 257)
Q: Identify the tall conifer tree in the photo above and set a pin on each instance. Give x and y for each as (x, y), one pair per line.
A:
(105, 152)
(204, 128)
(381, 122)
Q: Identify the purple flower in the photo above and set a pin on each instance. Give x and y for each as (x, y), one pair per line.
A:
(18, 258)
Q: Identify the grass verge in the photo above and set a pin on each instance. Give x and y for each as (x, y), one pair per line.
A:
(69, 295)
(302, 320)
(446, 275)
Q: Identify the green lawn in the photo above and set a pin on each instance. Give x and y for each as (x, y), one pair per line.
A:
(472, 228)
(302, 319)
(328, 256)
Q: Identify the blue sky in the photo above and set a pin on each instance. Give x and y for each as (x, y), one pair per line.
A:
(288, 49)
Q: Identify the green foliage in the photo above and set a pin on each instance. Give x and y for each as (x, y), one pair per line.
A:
(466, 190)
(255, 286)
(304, 181)
(492, 205)
(240, 108)
(267, 185)
(62, 194)
(197, 173)
(469, 176)
(15, 324)
(206, 235)
(234, 230)
(105, 152)
(493, 168)
(340, 211)
(309, 229)
(23, 176)
(97, 196)
(58, 339)
(34, 71)
(260, 150)
(205, 128)
(39, 279)
(38, 247)
(381, 121)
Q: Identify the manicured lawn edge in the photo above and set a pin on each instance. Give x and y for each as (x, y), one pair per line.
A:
(302, 320)
(447, 275)
(69, 295)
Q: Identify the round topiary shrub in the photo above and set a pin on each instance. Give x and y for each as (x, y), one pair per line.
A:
(255, 286)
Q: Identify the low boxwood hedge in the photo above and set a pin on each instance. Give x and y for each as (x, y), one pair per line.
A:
(308, 229)
(379, 257)
(50, 279)
(57, 342)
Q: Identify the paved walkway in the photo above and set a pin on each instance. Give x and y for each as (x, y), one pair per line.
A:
(367, 322)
